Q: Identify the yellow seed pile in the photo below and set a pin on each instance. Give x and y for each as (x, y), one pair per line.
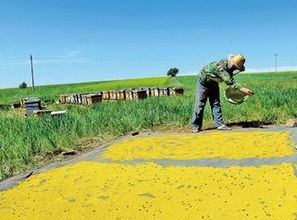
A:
(91, 190)
(95, 190)
(231, 145)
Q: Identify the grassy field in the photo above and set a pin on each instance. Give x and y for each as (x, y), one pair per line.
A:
(52, 92)
(27, 142)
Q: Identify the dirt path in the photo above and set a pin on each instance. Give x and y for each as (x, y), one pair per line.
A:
(245, 173)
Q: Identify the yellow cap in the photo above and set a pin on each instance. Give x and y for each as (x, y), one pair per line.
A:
(238, 61)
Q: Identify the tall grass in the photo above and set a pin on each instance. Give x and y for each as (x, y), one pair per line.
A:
(52, 92)
(22, 139)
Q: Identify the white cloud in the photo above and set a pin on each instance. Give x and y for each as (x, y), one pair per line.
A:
(271, 69)
(60, 60)
(67, 57)
(18, 63)
(72, 53)
(47, 60)
(72, 56)
(255, 70)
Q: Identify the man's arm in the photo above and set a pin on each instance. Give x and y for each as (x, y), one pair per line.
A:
(229, 80)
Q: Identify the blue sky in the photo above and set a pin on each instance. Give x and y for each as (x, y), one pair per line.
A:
(78, 41)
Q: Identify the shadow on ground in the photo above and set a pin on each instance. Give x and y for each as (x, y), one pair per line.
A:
(244, 124)
(249, 124)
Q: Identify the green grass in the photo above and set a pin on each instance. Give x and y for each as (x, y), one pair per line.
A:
(52, 92)
(23, 141)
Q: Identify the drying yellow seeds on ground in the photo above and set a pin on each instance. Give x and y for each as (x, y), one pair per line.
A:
(230, 145)
(93, 190)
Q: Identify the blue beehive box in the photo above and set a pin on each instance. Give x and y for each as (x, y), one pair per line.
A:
(32, 104)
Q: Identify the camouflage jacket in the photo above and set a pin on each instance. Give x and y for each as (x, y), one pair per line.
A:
(218, 71)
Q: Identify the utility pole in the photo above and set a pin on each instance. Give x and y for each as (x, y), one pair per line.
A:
(275, 61)
(32, 74)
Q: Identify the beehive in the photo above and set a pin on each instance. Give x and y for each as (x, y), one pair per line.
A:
(92, 99)
(139, 94)
(112, 95)
(128, 94)
(163, 91)
(105, 95)
(154, 92)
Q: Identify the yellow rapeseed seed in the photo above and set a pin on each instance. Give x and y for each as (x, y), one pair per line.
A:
(93, 190)
(231, 145)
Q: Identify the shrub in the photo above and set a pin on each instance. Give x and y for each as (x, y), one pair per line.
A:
(23, 85)
(172, 72)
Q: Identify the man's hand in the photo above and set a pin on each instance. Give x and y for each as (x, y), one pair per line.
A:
(246, 91)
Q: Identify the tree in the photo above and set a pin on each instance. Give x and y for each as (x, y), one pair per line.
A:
(172, 72)
(23, 85)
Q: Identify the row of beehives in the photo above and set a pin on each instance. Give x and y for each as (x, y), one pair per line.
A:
(83, 99)
(129, 94)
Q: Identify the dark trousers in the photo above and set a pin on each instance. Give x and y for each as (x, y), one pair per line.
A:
(207, 90)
